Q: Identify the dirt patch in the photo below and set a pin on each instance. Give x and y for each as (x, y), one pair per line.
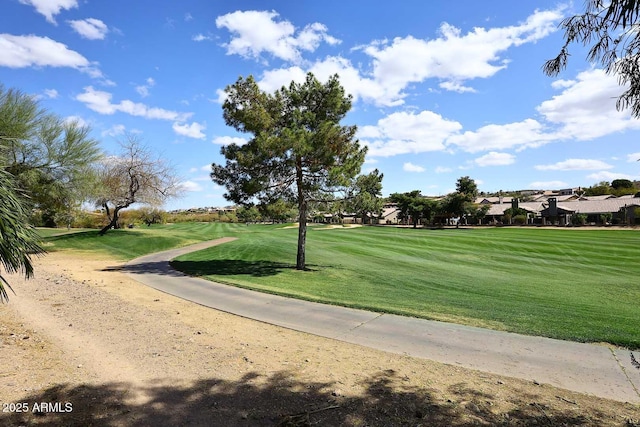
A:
(82, 344)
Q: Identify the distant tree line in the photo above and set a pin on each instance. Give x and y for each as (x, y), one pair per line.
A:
(459, 205)
(617, 187)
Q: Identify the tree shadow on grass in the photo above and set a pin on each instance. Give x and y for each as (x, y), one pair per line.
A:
(231, 267)
(282, 400)
(223, 267)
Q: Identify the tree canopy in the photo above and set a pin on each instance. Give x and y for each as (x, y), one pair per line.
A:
(49, 158)
(461, 203)
(609, 28)
(299, 151)
(364, 197)
(413, 206)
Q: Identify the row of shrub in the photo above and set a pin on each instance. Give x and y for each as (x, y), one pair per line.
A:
(127, 218)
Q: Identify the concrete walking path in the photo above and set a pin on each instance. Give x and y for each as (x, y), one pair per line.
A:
(586, 368)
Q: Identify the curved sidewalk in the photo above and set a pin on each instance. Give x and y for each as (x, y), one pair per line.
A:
(585, 368)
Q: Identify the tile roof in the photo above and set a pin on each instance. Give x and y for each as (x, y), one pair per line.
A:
(578, 206)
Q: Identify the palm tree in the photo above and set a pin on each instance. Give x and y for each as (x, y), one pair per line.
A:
(18, 240)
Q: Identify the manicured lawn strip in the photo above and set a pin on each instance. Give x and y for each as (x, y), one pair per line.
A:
(126, 244)
(569, 284)
(50, 232)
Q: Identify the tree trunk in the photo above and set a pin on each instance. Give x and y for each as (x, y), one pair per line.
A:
(302, 237)
(302, 219)
(112, 224)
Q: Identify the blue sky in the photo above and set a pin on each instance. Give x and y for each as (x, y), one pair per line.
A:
(441, 89)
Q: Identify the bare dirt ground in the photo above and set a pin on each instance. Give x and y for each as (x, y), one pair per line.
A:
(84, 345)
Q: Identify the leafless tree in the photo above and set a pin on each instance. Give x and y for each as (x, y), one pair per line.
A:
(136, 176)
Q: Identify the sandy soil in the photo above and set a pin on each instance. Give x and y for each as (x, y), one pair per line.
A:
(82, 344)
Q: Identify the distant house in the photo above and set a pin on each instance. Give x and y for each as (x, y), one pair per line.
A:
(621, 209)
(554, 211)
(603, 197)
(494, 200)
(390, 214)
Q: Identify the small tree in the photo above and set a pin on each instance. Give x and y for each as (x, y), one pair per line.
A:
(478, 211)
(136, 176)
(606, 218)
(364, 197)
(579, 219)
(414, 206)
(460, 202)
(152, 215)
(248, 214)
(299, 150)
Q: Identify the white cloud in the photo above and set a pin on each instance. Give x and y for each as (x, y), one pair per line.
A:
(100, 101)
(51, 93)
(76, 119)
(205, 168)
(539, 185)
(50, 8)
(143, 90)
(273, 80)
(227, 140)
(115, 130)
(201, 37)
(406, 132)
(256, 32)
(528, 133)
(633, 157)
(452, 57)
(562, 84)
(204, 178)
(350, 78)
(441, 169)
(456, 87)
(575, 164)
(194, 130)
(35, 51)
(188, 17)
(592, 94)
(90, 28)
(610, 176)
(495, 159)
(222, 96)
(410, 167)
(191, 186)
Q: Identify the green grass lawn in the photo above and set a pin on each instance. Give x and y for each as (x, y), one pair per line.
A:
(54, 232)
(581, 285)
(126, 244)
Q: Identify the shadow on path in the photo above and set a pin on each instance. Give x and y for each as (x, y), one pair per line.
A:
(282, 400)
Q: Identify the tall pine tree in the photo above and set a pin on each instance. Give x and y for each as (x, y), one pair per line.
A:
(299, 150)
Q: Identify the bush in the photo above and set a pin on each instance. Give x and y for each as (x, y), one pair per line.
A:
(89, 220)
(579, 219)
(35, 218)
(520, 219)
